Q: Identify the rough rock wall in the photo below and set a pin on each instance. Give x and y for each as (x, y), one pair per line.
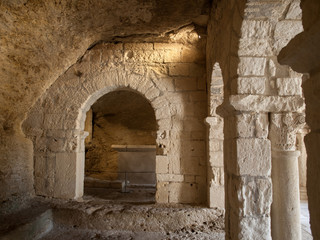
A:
(40, 40)
(16, 179)
(119, 118)
(303, 54)
(170, 75)
(244, 38)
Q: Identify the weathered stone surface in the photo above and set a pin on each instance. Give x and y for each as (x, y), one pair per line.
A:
(289, 86)
(254, 47)
(216, 197)
(251, 66)
(185, 84)
(216, 158)
(252, 228)
(255, 29)
(253, 196)
(251, 85)
(254, 157)
(267, 103)
(286, 30)
(269, 10)
(162, 164)
(252, 125)
(294, 11)
(183, 193)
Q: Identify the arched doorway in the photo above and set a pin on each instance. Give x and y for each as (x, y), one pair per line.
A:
(120, 149)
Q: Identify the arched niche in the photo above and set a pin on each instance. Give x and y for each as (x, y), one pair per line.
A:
(121, 148)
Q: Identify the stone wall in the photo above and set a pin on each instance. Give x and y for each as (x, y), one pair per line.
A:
(16, 180)
(245, 39)
(171, 76)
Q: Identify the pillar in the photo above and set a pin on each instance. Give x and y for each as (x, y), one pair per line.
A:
(285, 209)
(302, 162)
(215, 166)
(247, 152)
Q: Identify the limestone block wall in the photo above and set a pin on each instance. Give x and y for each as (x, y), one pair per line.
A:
(244, 38)
(171, 76)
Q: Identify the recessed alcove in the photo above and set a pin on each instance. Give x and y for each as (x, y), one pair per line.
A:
(120, 150)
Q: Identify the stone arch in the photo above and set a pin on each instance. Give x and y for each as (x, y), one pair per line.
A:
(59, 152)
(55, 123)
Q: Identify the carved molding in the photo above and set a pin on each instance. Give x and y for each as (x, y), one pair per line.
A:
(284, 127)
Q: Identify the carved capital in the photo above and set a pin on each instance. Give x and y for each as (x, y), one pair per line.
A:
(284, 127)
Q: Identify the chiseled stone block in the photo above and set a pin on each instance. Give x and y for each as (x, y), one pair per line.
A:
(253, 157)
(216, 158)
(162, 164)
(162, 194)
(252, 125)
(65, 180)
(251, 85)
(255, 228)
(252, 196)
(182, 192)
(179, 69)
(170, 177)
(256, 29)
(284, 31)
(186, 84)
(257, 47)
(216, 197)
(289, 86)
(251, 66)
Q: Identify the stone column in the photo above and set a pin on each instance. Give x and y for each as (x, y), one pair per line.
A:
(285, 209)
(302, 162)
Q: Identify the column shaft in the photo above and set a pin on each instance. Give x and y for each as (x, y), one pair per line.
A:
(285, 213)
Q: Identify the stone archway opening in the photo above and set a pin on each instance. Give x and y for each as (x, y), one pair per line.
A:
(120, 149)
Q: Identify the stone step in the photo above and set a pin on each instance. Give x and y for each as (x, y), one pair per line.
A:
(32, 228)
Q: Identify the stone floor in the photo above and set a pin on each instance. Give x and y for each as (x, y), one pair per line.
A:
(98, 218)
(305, 225)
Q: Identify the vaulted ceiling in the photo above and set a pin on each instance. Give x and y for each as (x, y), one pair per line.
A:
(41, 39)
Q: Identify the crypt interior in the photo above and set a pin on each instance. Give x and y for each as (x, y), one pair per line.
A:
(145, 119)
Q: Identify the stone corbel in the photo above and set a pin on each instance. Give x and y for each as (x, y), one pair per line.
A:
(284, 127)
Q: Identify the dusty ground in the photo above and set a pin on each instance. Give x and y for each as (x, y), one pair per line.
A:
(81, 234)
(96, 218)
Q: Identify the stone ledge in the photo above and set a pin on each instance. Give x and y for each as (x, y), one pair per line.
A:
(267, 103)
